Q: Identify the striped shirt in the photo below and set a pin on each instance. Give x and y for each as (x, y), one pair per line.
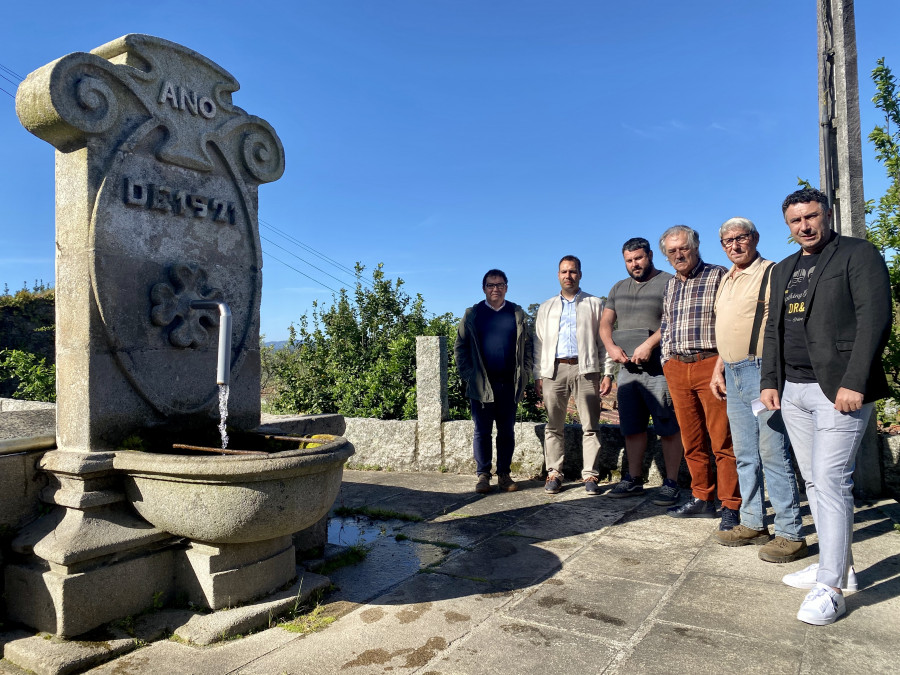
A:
(689, 319)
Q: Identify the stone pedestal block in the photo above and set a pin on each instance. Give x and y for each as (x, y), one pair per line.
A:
(431, 400)
(225, 575)
(313, 538)
(69, 604)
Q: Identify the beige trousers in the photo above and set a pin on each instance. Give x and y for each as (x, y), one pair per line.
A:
(567, 381)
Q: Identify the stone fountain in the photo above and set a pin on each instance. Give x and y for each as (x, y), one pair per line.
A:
(157, 176)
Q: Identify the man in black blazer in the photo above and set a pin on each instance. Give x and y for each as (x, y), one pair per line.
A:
(829, 320)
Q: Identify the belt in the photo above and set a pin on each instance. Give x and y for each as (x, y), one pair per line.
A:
(572, 361)
(693, 358)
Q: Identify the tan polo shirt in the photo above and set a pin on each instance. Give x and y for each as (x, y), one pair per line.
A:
(736, 308)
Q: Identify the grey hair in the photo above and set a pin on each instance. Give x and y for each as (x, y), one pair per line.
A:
(744, 224)
(693, 239)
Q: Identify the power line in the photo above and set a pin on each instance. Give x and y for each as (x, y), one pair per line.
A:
(12, 82)
(301, 259)
(11, 72)
(316, 253)
(359, 277)
(299, 272)
(15, 83)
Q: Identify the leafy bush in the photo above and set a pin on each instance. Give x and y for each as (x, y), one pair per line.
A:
(37, 380)
(358, 356)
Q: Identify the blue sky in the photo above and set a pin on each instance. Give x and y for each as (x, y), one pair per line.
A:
(446, 137)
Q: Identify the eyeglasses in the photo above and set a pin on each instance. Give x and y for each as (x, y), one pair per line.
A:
(731, 241)
(491, 287)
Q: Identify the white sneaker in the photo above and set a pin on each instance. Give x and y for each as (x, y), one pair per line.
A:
(806, 579)
(822, 606)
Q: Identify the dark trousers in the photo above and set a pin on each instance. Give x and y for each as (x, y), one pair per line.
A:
(502, 412)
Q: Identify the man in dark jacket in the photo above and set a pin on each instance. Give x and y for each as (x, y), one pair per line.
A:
(494, 357)
(829, 320)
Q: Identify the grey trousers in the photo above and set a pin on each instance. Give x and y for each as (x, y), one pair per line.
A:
(825, 442)
(567, 381)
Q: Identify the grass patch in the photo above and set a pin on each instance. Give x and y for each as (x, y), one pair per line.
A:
(376, 513)
(353, 555)
(314, 621)
(364, 467)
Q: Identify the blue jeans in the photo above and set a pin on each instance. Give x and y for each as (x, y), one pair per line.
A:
(761, 449)
(825, 442)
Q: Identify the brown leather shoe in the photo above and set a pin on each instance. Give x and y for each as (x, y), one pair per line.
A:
(483, 486)
(505, 483)
(781, 550)
(741, 536)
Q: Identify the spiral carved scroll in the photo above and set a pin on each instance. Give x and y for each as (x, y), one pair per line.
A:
(98, 104)
(262, 153)
(72, 98)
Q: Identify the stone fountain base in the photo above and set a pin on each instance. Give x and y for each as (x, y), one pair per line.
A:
(215, 532)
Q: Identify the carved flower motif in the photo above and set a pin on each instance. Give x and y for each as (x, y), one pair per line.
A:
(189, 327)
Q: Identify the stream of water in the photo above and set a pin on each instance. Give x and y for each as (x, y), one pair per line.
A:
(223, 414)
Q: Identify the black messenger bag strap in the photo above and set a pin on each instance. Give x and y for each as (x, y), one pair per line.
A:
(760, 310)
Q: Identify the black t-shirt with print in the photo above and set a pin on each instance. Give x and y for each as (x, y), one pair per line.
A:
(796, 353)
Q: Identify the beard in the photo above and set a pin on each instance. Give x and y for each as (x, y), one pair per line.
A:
(643, 274)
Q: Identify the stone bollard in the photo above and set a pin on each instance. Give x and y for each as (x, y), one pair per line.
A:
(431, 400)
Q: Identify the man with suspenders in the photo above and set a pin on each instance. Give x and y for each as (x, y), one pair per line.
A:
(761, 446)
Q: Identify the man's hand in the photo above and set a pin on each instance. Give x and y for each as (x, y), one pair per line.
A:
(641, 354)
(539, 388)
(618, 354)
(717, 381)
(769, 398)
(605, 385)
(847, 400)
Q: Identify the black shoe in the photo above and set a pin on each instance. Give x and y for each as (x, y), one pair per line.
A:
(730, 519)
(591, 486)
(553, 484)
(627, 487)
(694, 508)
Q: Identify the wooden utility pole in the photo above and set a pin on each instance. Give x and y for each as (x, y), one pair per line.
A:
(840, 143)
(840, 169)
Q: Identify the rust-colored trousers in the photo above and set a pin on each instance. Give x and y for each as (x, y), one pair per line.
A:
(700, 413)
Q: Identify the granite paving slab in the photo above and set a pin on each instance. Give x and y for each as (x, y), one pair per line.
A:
(668, 649)
(606, 607)
(739, 607)
(502, 645)
(400, 631)
(633, 559)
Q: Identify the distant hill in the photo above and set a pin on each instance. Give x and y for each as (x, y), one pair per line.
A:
(278, 344)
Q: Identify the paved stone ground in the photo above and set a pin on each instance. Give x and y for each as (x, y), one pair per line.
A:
(531, 583)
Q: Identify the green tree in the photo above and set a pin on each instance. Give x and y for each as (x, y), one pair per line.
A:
(884, 228)
(37, 380)
(357, 357)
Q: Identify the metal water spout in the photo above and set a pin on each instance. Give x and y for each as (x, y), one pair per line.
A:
(223, 367)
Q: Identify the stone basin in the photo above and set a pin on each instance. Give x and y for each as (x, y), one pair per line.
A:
(234, 499)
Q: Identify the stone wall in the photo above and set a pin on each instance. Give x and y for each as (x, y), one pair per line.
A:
(27, 431)
(392, 445)
(890, 459)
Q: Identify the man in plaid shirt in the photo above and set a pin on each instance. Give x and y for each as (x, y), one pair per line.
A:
(689, 356)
